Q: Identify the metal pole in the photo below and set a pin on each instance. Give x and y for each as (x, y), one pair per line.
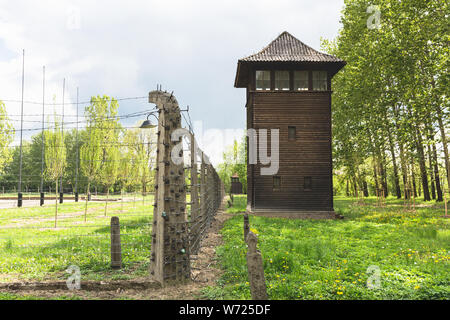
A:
(19, 200)
(43, 140)
(78, 155)
(61, 194)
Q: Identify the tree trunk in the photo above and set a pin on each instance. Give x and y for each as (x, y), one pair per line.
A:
(413, 179)
(365, 189)
(347, 191)
(56, 201)
(106, 203)
(394, 163)
(375, 176)
(422, 166)
(436, 174)
(444, 143)
(121, 196)
(88, 191)
(430, 172)
(383, 175)
(404, 171)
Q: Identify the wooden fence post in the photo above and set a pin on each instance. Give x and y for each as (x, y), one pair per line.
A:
(255, 267)
(116, 247)
(246, 226)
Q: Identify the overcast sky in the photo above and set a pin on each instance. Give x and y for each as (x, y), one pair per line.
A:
(125, 48)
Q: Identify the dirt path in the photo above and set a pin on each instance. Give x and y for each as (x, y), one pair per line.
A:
(205, 272)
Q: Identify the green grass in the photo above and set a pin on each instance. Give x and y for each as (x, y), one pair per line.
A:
(9, 296)
(32, 249)
(307, 259)
(239, 204)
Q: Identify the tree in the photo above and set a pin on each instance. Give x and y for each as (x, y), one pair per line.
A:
(6, 137)
(392, 97)
(234, 161)
(55, 157)
(140, 145)
(91, 153)
(110, 146)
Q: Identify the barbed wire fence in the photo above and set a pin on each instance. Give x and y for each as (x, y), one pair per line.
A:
(188, 193)
(178, 232)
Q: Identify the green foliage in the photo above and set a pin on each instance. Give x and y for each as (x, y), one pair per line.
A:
(6, 136)
(55, 152)
(392, 98)
(308, 259)
(239, 204)
(234, 161)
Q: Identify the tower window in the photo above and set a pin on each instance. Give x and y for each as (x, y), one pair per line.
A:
(276, 183)
(320, 80)
(301, 80)
(292, 132)
(307, 183)
(282, 80)
(263, 80)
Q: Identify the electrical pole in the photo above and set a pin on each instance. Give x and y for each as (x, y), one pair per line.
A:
(43, 140)
(61, 194)
(19, 200)
(78, 155)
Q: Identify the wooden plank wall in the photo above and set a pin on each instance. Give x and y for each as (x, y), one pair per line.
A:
(309, 155)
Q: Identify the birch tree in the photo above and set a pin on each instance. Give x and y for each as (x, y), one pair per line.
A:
(55, 157)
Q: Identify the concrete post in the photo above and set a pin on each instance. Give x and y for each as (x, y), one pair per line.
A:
(195, 208)
(170, 262)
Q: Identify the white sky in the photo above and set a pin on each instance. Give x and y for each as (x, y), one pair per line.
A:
(126, 48)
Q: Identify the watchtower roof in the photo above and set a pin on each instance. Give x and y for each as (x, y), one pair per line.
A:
(286, 49)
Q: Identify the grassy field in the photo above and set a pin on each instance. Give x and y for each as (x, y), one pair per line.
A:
(32, 249)
(305, 259)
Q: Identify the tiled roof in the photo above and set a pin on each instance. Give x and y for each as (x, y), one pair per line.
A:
(287, 48)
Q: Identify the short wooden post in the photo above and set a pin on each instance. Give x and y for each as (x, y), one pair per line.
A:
(246, 226)
(445, 202)
(255, 267)
(116, 248)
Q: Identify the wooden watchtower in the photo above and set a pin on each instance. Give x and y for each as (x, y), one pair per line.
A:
(236, 185)
(289, 88)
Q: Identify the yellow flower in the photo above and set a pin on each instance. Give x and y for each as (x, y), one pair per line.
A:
(340, 292)
(254, 230)
(416, 287)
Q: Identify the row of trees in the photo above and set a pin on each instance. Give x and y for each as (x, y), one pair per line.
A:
(6, 136)
(391, 101)
(102, 154)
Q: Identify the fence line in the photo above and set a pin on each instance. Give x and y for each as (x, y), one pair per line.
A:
(186, 198)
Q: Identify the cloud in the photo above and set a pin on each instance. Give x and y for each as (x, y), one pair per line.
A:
(124, 49)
